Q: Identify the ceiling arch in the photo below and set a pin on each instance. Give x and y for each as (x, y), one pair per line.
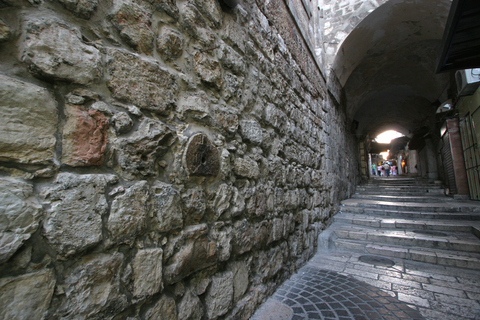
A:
(387, 65)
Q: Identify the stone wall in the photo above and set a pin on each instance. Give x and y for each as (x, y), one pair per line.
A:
(160, 159)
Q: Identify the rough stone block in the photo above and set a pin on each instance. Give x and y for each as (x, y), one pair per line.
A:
(4, 31)
(194, 205)
(140, 81)
(122, 122)
(28, 120)
(20, 213)
(134, 24)
(196, 27)
(138, 154)
(92, 289)
(84, 137)
(220, 295)
(243, 237)
(147, 272)
(128, 213)
(169, 43)
(240, 279)
(81, 8)
(166, 207)
(190, 307)
(251, 131)
(208, 70)
(73, 222)
(56, 51)
(196, 253)
(246, 167)
(165, 309)
(27, 296)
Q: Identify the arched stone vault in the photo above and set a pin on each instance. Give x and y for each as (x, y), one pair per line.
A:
(386, 66)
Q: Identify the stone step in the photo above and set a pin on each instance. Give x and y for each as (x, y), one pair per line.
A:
(436, 256)
(412, 224)
(413, 189)
(465, 242)
(398, 181)
(453, 206)
(399, 198)
(469, 216)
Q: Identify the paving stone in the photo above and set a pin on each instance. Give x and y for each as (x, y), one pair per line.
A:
(362, 303)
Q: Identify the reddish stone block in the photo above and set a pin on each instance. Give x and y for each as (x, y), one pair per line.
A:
(84, 137)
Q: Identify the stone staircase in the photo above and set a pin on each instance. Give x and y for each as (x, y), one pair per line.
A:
(410, 219)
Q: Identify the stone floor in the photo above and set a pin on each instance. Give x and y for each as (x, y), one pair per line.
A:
(340, 282)
(336, 285)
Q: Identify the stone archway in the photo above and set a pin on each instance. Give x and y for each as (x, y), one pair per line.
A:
(386, 65)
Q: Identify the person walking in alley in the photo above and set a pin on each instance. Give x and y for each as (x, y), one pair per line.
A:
(386, 167)
(374, 169)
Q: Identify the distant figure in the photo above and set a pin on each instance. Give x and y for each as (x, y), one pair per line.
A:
(386, 167)
(380, 170)
(374, 169)
(394, 170)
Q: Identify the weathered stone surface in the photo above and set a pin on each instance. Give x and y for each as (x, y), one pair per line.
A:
(168, 6)
(55, 50)
(84, 137)
(262, 234)
(195, 252)
(122, 122)
(208, 70)
(128, 213)
(28, 119)
(231, 86)
(212, 10)
(221, 203)
(138, 154)
(243, 237)
(190, 307)
(240, 279)
(147, 272)
(201, 156)
(194, 205)
(27, 296)
(165, 309)
(251, 131)
(232, 60)
(169, 43)
(223, 237)
(195, 106)
(246, 167)
(220, 295)
(196, 27)
(20, 213)
(133, 22)
(140, 81)
(4, 31)
(92, 289)
(275, 117)
(277, 229)
(166, 207)
(227, 120)
(81, 8)
(74, 220)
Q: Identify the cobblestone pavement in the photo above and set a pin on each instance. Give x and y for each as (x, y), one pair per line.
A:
(315, 293)
(336, 285)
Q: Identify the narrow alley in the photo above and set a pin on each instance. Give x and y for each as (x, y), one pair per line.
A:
(399, 249)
